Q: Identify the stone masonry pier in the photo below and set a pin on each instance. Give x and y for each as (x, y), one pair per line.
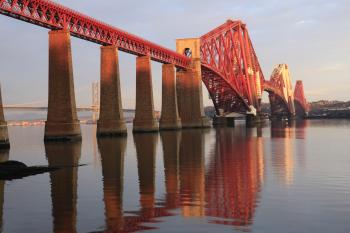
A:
(145, 119)
(62, 121)
(111, 121)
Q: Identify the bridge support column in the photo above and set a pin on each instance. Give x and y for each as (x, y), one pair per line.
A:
(219, 121)
(4, 136)
(230, 121)
(190, 100)
(170, 119)
(62, 121)
(111, 121)
(223, 121)
(145, 120)
(252, 120)
(189, 86)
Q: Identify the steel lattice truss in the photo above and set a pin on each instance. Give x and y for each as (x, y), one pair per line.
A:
(230, 68)
(51, 15)
(299, 97)
(280, 106)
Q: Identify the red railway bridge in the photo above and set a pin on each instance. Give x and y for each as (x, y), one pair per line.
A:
(224, 59)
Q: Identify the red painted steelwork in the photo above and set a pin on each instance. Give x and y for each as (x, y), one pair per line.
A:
(299, 96)
(279, 104)
(230, 68)
(54, 16)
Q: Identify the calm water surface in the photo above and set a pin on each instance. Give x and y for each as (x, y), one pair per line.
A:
(279, 179)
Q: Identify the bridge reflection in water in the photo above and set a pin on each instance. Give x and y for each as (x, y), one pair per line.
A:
(284, 135)
(64, 184)
(219, 181)
(227, 188)
(234, 177)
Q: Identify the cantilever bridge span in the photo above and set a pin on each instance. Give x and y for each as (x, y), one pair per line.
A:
(224, 59)
(230, 68)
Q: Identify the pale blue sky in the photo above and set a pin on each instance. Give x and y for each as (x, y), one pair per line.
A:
(311, 36)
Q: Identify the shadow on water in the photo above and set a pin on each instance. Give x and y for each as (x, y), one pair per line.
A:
(64, 184)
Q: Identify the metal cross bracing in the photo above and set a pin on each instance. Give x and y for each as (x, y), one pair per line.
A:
(230, 68)
(271, 89)
(54, 16)
(299, 98)
(279, 89)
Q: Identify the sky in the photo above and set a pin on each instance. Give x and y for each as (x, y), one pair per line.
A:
(311, 36)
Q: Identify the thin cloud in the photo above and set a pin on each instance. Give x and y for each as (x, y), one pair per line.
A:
(334, 67)
(305, 22)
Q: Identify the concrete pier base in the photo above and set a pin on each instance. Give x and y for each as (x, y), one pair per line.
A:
(111, 121)
(252, 121)
(170, 119)
(292, 117)
(4, 136)
(230, 122)
(219, 121)
(145, 119)
(62, 122)
(190, 100)
(223, 121)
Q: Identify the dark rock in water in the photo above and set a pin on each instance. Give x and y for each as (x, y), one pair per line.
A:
(10, 170)
(11, 164)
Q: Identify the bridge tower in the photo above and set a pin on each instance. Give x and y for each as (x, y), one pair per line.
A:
(95, 104)
(302, 107)
(189, 86)
(95, 96)
(281, 93)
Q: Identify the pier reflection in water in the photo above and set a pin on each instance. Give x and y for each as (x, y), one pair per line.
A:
(192, 173)
(64, 184)
(112, 159)
(226, 189)
(220, 180)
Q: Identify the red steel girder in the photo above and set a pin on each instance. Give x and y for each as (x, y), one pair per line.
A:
(54, 16)
(299, 96)
(275, 88)
(230, 66)
(226, 52)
